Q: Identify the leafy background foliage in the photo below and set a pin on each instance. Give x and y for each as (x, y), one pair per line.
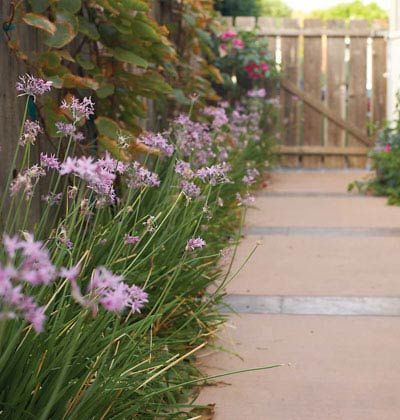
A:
(118, 53)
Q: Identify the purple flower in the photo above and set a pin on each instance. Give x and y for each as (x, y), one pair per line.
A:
(50, 162)
(36, 316)
(193, 140)
(35, 268)
(31, 130)
(79, 108)
(115, 295)
(190, 189)
(71, 274)
(99, 175)
(69, 130)
(139, 176)
(219, 116)
(183, 169)
(195, 243)
(52, 199)
(215, 174)
(260, 93)
(32, 86)
(251, 176)
(157, 141)
(27, 181)
(138, 298)
(131, 240)
(11, 245)
(247, 200)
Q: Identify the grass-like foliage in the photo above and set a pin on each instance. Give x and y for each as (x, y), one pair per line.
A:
(104, 299)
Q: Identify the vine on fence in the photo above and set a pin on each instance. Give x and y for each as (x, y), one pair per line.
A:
(116, 52)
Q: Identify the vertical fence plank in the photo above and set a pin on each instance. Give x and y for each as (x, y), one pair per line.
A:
(358, 102)
(379, 76)
(336, 86)
(289, 114)
(312, 85)
(269, 23)
(11, 109)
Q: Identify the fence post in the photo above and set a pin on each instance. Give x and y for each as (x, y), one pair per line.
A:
(393, 62)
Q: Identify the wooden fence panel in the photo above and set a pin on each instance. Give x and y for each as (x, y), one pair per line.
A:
(289, 111)
(358, 101)
(335, 95)
(379, 76)
(312, 119)
(267, 23)
(12, 106)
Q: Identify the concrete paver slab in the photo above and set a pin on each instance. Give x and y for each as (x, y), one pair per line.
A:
(309, 266)
(328, 181)
(335, 368)
(323, 212)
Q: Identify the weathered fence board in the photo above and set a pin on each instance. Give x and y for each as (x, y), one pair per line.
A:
(12, 106)
(358, 100)
(289, 112)
(326, 65)
(312, 119)
(379, 77)
(268, 22)
(335, 92)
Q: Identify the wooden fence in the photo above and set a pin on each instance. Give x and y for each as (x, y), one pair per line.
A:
(333, 89)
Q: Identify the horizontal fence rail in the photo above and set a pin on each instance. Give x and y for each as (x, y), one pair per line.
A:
(333, 89)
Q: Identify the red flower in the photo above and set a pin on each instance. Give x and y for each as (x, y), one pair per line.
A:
(256, 71)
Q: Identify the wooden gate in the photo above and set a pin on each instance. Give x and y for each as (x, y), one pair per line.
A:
(333, 88)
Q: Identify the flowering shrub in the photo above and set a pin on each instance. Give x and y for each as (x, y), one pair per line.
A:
(104, 299)
(385, 160)
(244, 61)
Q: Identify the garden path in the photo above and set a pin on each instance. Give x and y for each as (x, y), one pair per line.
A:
(321, 296)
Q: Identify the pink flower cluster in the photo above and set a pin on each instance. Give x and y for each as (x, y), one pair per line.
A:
(218, 114)
(193, 140)
(115, 295)
(251, 176)
(139, 176)
(247, 200)
(183, 169)
(69, 130)
(28, 262)
(108, 289)
(99, 174)
(79, 108)
(131, 239)
(157, 141)
(49, 162)
(190, 189)
(27, 181)
(195, 243)
(257, 93)
(32, 86)
(31, 130)
(231, 37)
(215, 174)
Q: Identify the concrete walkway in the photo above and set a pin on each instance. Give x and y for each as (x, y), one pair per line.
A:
(321, 297)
